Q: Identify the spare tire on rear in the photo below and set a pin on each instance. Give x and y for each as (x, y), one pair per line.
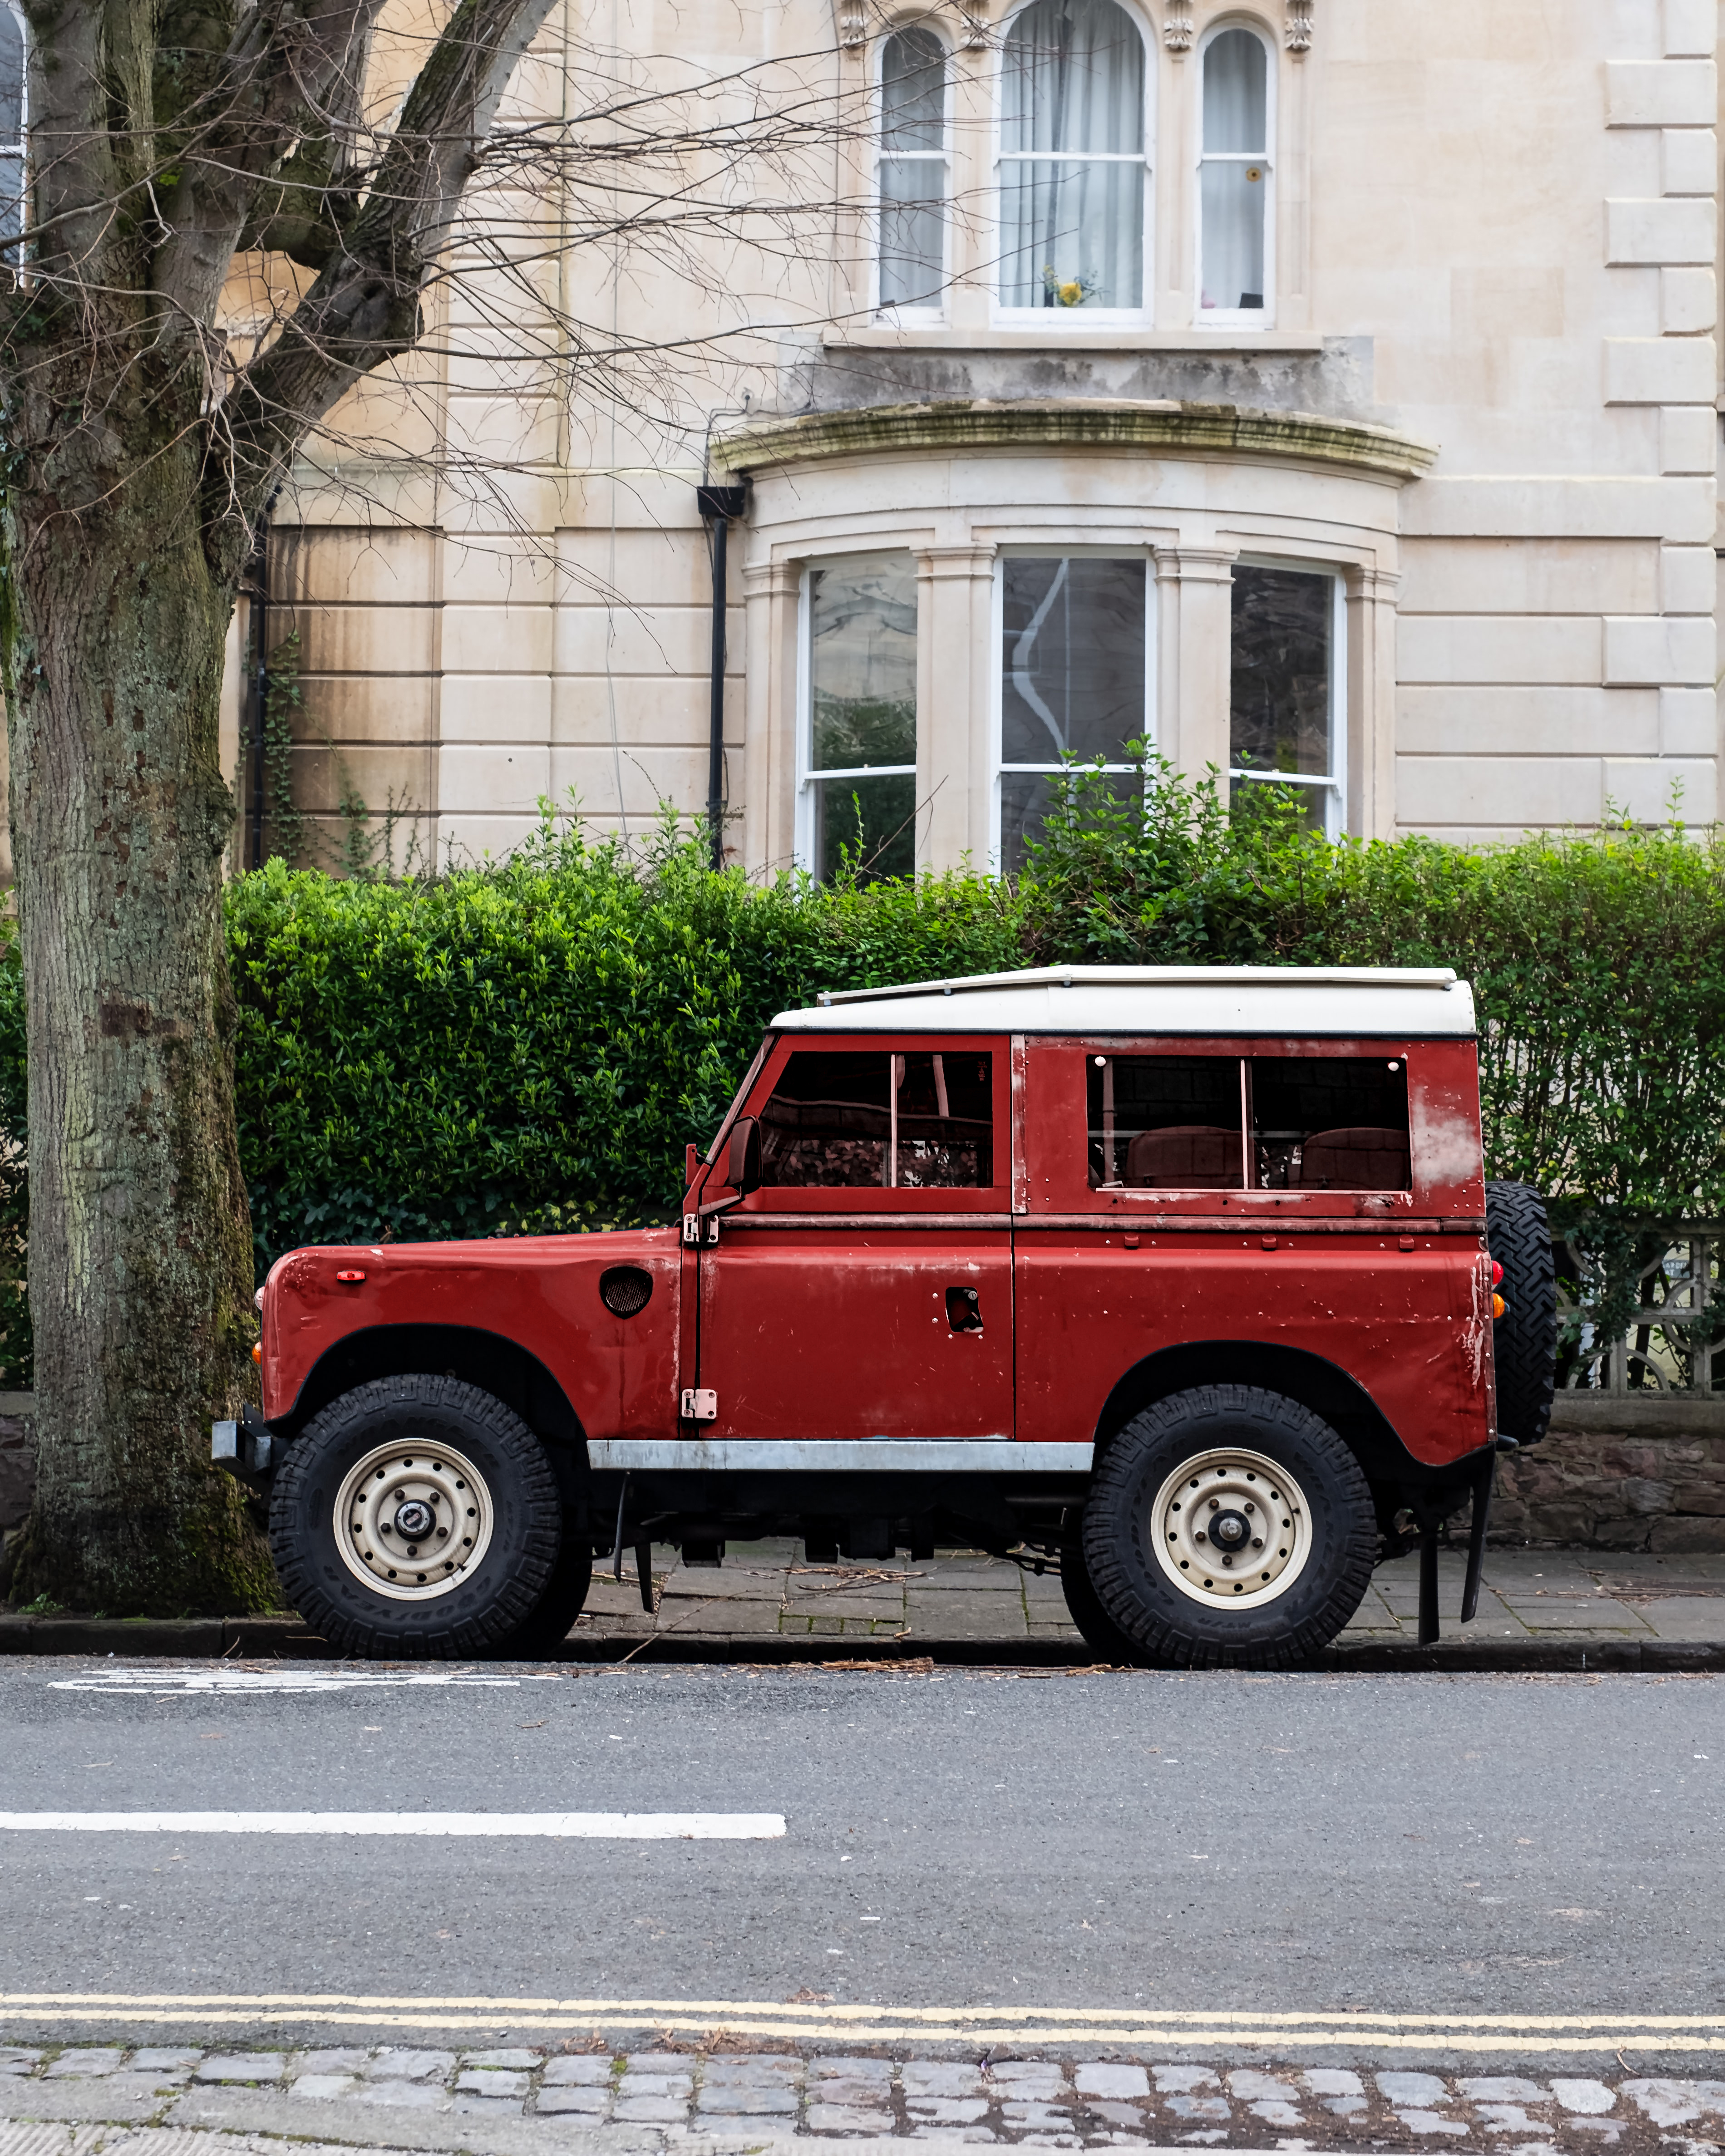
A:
(1525, 1338)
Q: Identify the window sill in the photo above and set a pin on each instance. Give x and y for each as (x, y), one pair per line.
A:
(1100, 339)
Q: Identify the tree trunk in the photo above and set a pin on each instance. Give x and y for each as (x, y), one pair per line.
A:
(141, 1255)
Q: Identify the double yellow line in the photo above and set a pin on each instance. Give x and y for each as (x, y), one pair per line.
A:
(1286, 2034)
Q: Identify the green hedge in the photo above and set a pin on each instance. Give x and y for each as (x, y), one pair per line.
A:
(530, 1044)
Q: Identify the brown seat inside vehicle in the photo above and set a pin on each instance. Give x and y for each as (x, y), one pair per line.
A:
(1361, 1159)
(1188, 1157)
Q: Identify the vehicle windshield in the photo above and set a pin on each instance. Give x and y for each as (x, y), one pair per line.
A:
(738, 1099)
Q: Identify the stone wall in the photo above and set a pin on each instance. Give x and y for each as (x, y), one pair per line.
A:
(1619, 1475)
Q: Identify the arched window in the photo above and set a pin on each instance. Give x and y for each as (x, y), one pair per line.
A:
(1072, 158)
(1233, 180)
(11, 123)
(912, 172)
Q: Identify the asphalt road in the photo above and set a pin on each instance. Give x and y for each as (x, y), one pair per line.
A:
(1228, 1843)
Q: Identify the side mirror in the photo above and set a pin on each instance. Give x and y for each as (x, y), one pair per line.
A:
(742, 1160)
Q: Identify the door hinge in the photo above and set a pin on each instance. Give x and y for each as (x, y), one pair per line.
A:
(701, 1403)
(699, 1227)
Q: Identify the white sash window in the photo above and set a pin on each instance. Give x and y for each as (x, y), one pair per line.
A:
(1074, 171)
(1235, 227)
(912, 176)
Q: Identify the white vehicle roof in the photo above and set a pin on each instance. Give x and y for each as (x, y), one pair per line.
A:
(1405, 1002)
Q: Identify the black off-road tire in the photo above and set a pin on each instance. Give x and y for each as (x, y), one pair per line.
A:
(1101, 1634)
(541, 1636)
(1168, 1625)
(1524, 1340)
(418, 1414)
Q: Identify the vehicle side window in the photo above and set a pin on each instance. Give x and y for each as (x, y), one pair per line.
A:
(829, 1123)
(1330, 1122)
(1165, 1122)
(851, 1121)
(944, 1120)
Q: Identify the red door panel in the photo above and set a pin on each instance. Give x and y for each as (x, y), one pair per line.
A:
(1387, 1283)
(845, 1331)
(1399, 1322)
(865, 1290)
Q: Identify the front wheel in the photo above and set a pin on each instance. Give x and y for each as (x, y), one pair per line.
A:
(1228, 1526)
(542, 1636)
(416, 1516)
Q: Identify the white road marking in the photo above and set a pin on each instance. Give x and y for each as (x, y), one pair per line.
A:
(168, 1684)
(590, 1826)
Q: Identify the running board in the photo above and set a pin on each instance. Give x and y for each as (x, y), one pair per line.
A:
(913, 1455)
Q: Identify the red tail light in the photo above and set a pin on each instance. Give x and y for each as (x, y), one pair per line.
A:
(360, 1276)
(1496, 1273)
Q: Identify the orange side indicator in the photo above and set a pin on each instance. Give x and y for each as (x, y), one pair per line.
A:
(1498, 1306)
(258, 1353)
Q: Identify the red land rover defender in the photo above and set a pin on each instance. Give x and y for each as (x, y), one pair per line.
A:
(1186, 1280)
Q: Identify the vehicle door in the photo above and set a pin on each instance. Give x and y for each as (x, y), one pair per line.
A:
(863, 1289)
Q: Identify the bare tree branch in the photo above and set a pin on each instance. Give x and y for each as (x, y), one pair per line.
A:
(365, 307)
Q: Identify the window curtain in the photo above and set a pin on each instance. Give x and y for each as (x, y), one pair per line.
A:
(1072, 231)
(913, 171)
(11, 123)
(1234, 182)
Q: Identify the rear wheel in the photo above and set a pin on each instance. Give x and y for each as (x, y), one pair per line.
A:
(1524, 1340)
(1229, 1527)
(416, 1516)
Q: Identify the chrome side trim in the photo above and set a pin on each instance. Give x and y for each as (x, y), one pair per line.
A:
(917, 1456)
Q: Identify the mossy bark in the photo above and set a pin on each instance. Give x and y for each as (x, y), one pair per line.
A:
(141, 1255)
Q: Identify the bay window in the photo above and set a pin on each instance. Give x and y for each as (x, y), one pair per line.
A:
(1074, 678)
(1285, 688)
(857, 757)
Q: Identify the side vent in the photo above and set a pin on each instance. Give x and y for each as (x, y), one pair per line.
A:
(625, 1291)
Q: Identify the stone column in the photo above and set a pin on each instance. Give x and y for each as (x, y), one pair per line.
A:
(956, 664)
(1194, 587)
(1368, 805)
(769, 806)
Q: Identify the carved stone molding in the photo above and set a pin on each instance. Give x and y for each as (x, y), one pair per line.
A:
(1297, 28)
(966, 426)
(1177, 26)
(853, 28)
(972, 31)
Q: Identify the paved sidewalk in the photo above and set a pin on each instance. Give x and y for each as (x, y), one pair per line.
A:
(764, 1591)
(162, 2101)
(1539, 1609)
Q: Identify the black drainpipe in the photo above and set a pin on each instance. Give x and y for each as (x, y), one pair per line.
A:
(259, 568)
(719, 505)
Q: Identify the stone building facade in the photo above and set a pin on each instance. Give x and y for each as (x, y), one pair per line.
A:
(1323, 390)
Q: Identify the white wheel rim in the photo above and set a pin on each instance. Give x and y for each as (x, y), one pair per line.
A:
(1205, 1503)
(413, 1519)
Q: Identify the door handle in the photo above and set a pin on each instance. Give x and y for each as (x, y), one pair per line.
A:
(964, 1310)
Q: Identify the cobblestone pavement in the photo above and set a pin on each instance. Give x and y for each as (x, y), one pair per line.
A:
(765, 1590)
(443, 2099)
